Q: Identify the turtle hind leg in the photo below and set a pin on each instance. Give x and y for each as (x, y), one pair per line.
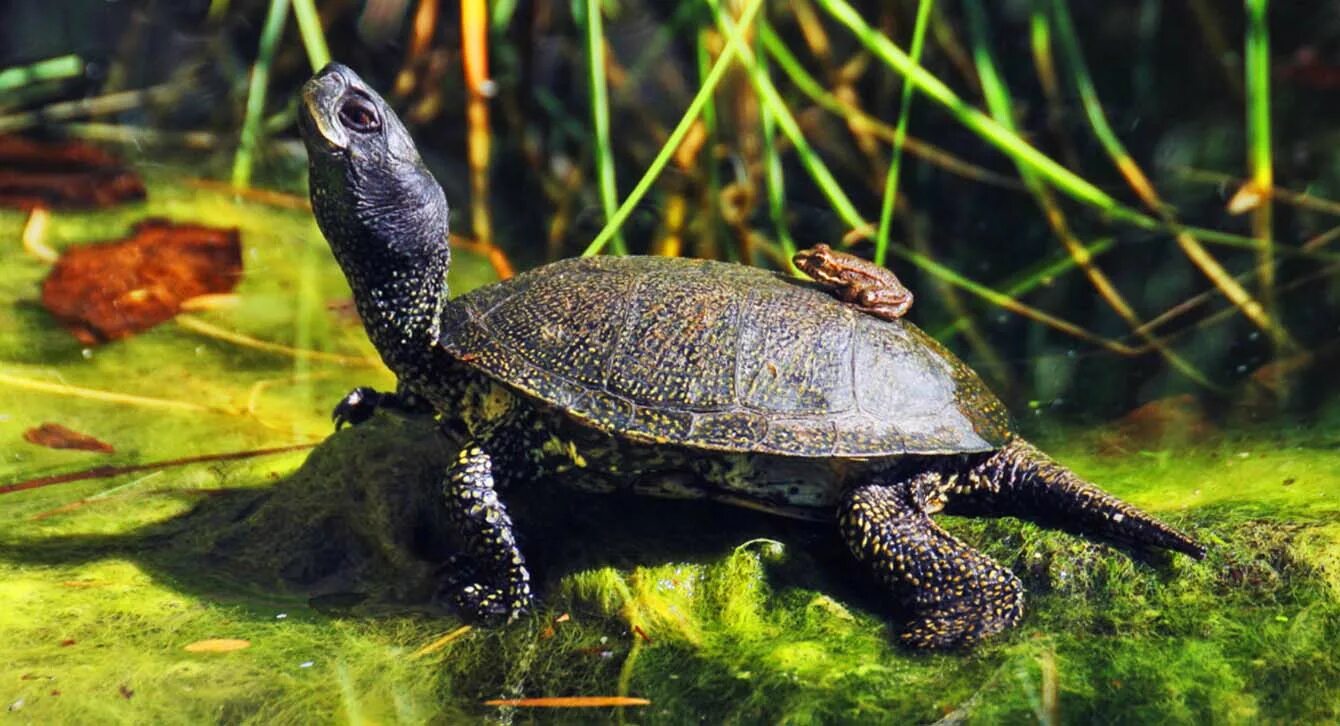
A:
(1021, 481)
(958, 595)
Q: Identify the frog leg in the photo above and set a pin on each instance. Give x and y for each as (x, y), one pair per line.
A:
(495, 586)
(1018, 480)
(958, 596)
(359, 404)
(882, 302)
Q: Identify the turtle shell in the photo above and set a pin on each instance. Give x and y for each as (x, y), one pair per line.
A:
(723, 357)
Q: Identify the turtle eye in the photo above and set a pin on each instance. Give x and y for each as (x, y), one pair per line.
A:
(358, 114)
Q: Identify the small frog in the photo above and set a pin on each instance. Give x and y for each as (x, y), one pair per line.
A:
(873, 289)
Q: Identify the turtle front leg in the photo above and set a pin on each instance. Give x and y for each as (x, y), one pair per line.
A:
(958, 595)
(494, 585)
(359, 404)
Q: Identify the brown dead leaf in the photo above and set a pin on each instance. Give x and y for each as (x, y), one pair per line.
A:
(217, 645)
(55, 436)
(111, 290)
(63, 174)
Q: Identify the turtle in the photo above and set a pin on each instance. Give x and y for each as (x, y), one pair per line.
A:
(679, 378)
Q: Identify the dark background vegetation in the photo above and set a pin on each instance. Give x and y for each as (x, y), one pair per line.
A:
(1169, 73)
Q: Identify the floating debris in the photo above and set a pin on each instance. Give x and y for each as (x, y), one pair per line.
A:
(217, 645)
(35, 235)
(442, 642)
(1248, 197)
(55, 436)
(111, 290)
(569, 702)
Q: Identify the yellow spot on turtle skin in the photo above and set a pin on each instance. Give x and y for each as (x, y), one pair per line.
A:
(576, 456)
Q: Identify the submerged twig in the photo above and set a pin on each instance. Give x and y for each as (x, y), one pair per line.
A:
(93, 106)
(197, 325)
(569, 702)
(94, 394)
(103, 472)
(269, 197)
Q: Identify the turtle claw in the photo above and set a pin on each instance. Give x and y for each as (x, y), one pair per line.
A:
(356, 407)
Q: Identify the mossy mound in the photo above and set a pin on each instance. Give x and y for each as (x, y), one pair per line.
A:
(359, 520)
(711, 613)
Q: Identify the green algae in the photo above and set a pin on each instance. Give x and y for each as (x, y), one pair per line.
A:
(325, 561)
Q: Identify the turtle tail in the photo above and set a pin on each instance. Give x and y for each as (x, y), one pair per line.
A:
(1018, 480)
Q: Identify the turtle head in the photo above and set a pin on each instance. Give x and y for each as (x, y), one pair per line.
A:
(381, 210)
(375, 201)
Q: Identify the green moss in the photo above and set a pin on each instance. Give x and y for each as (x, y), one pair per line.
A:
(326, 562)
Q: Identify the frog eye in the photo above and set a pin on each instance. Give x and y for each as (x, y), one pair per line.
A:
(358, 114)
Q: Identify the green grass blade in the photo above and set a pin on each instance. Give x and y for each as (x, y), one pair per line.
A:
(1258, 141)
(924, 8)
(976, 121)
(1002, 108)
(700, 99)
(776, 179)
(313, 37)
(769, 96)
(260, 82)
(1030, 280)
(51, 69)
(600, 117)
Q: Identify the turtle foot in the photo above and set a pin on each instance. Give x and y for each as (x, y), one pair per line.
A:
(964, 627)
(356, 407)
(958, 595)
(361, 403)
(476, 599)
